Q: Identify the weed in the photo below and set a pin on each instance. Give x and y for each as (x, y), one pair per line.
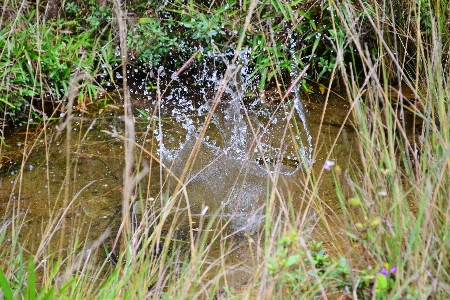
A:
(387, 237)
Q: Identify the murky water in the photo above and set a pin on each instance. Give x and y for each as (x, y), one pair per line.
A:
(247, 143)
(96, 161)
(243, 146)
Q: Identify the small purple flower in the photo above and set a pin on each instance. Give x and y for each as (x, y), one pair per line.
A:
(328, 164)
(384, 271)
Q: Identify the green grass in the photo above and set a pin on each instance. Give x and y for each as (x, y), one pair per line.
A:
(394, 201)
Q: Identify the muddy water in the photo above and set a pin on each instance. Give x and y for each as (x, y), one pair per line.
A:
(37, 191)
(229, 175)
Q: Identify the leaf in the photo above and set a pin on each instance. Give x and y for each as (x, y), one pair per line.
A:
(262, 81)
(7, 292)
(144, 20)
(354, 201)
(164, 296)
(143, 112)
(274, 4)
(48, 295)
(381, 282)
(293, 260)
(375, 222)
(71, 283)
(7, 103)
(31, 289)
(204, 19)
(187, 25)
(316, 43)
(224, 8)
(273, 266)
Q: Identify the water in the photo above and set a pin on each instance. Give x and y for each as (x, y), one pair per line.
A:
(243, 150)
(247, 146)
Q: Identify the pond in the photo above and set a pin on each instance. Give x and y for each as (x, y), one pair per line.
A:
(254, 146)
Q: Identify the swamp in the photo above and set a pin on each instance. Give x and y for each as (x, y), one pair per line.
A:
(225, 149)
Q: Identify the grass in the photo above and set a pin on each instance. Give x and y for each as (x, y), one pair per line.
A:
(392, 240)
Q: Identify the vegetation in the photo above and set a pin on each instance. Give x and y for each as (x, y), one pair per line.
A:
(38, 58)
(394, 202)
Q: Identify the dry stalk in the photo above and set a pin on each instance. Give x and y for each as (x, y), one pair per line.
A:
(128, 177)
(72, 93)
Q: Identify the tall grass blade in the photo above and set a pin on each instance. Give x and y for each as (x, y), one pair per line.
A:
(7, 292)
(31, 285)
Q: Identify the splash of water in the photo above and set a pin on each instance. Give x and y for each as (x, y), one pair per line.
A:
(230, 173)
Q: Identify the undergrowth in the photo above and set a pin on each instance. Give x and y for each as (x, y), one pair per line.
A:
(392, 240)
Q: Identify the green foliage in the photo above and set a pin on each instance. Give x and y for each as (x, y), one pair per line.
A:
(6, 289)
(175, 28)
(298, 272)
(204, 26)
(22, 285)
(297, 269)
(40, 58)
(151, 40)
(89, 16)
(282, 35)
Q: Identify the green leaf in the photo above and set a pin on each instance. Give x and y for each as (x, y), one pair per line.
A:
(2, 236)
(274, 4)
(262, 81)
(143, 112)
(354, 201)
(145, 20)
(7, 103)
(375, 222)
(48, 295)
(204, 19)
(381, 282)
(224, 8)
(272, 265)
(71, 283)
(316, 43)
(293, 260)
(164, 296)
(7, 292)
(31, 289)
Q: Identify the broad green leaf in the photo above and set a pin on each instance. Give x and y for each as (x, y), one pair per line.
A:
(381, 282)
